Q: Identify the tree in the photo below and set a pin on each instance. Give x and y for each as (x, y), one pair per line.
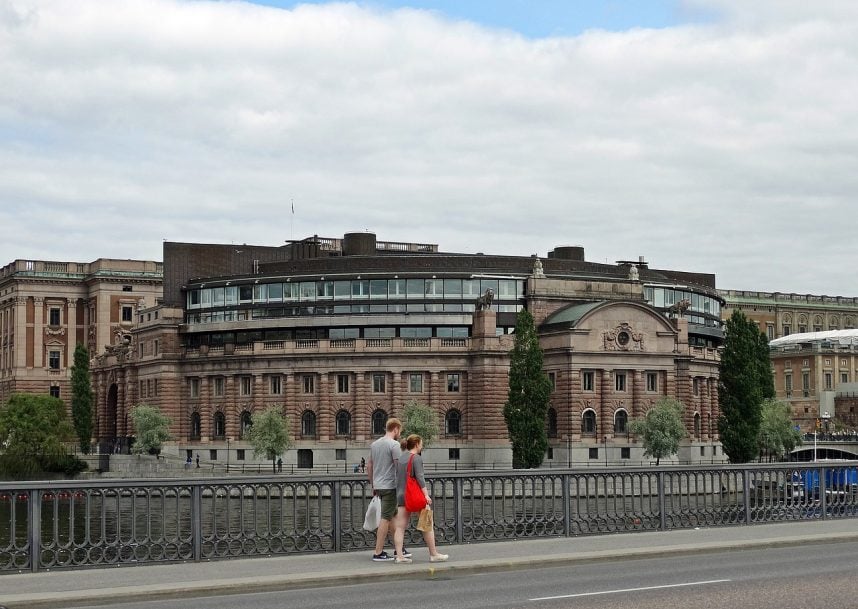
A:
(745, 381)
(269, 434)
(777, 433)
(151, 428)
(526, 408)
(419, 419)
(661, 429)
(82, 398)
(33, 430)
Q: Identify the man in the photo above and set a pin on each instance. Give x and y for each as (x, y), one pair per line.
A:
(381, 471)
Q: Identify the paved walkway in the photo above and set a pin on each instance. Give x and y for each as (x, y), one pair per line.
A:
(93, 586)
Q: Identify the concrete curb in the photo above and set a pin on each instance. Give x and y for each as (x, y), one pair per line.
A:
(200, 589)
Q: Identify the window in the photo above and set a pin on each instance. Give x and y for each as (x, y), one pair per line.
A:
(340, 454)
(309, 383)
(828, 381)
(588, 422)
(549, 453)
(415, 382)
(219, 425)
(770, 331)
(593, 453)
(246, 423)
(844, 377)
(378, 383)
(218, 389)
(453, 422)
(786, 330)
(305, 458)
(621, 422)
(196, 426)
(54, 316)
(342, 383)
(802, 329)
(553, 380)
(625, 452)
(344, 423)
(805, 384)
(453, 382)
(275, 385)
(54, 360)
(697, 424)
(453, 454)
(308, 423)
(551, 423)
(156, 347)
(620, 381)
(212, 455)
(695, 383)
(587, 380)
(239, 454)
(244, 385)
(55, 391)
(379, 421)
(127, 313)
(788, 385)
(652, 382)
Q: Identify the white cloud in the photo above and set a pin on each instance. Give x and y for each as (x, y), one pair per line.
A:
(728, 146)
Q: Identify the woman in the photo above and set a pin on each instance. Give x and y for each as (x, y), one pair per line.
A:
(413, 444)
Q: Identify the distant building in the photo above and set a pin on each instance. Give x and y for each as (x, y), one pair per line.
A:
(340, 333)
(47, 308)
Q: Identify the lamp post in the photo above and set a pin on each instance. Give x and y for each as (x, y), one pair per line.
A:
(227, 454)
(568, 453)
(605, 440)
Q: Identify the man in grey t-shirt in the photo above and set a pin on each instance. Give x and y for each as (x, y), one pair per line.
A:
(381, 470)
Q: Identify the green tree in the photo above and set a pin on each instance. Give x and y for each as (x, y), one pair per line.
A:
(777, 433)
(661, 429)
(745, 381)
(151, 429)
(526, 408)
(82, 397)
(269, 434)
(33, 430)
(420, 419)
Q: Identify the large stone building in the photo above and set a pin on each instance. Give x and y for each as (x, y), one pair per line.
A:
(340, 333)
(47, 308)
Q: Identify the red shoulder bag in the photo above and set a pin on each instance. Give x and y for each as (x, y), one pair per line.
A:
(415, 499)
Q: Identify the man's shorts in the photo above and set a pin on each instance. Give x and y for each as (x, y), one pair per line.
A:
(388, 502)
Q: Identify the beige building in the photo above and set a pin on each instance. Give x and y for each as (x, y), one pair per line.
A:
(47, 308)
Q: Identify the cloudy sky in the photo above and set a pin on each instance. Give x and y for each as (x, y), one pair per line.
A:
(706, 135)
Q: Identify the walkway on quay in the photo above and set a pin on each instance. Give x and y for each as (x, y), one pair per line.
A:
(114, 584)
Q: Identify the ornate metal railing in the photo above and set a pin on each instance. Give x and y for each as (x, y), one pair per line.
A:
(64, 524)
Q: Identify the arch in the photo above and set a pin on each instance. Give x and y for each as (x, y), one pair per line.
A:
(219, 425)
(343, 423)
(196, 426)
(453, 422)
(378, 422)
(574, 315)
(588, 422)
(551, 422)
(697, 425)
(621, 422)
(245, 423)
(308, 424)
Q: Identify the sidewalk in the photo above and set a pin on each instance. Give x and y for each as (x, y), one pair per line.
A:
(114, 584)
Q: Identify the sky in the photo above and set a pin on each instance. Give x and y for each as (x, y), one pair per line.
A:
(716, 136)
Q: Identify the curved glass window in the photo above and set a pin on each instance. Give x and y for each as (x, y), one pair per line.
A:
(378, 288)
(342, 290)
(414, 288)
(275, 292)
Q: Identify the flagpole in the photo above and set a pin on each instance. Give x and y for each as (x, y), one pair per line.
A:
(292, 223)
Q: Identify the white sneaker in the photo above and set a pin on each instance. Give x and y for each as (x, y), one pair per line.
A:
(401, 560)
(439, 558)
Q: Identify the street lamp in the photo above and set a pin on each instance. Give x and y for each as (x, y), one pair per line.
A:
(605, 440)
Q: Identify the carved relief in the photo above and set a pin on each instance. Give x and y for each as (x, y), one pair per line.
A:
(57, 332)
(623, 338)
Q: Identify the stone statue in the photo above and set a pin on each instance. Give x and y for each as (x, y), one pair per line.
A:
(634, 275)
(484, 302)
(679, 308)
(538, 273)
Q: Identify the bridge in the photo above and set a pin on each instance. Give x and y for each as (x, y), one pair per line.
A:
(828, 447)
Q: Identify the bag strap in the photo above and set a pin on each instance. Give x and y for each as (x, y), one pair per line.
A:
(408, 471)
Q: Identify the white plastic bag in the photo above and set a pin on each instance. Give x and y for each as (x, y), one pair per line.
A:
(373, 514)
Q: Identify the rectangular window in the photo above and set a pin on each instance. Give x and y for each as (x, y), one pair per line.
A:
(244, 386)
(275, 385)
(587, 380)
(212, 455)
(453, 454)
(770, 331)
(55, 391)
(844, 377)
(802, 329)
(453, 382)
(127, 313)
(340, 454)
(786, 330)
(805, 384)
(342, 383)
(194, 387)
(415, 382)
(620, 381)
(309, 383)
(702, 451)
(788, 385)
(696, 386)
(552, 378)
(218, 389)
(549, 453)
(828, 381)
(593, 453)
(652, 382)
(239, 454)
(54, 360)
(378, 383)
(156, 347)
(625, 452)
(54, 316)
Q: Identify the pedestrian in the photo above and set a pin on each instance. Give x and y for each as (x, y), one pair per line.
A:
(413, 444)
(279, 465)
(362, 465)
(384, 455)
(198, 461)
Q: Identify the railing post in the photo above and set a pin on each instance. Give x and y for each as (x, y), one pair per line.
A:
(823, 500)
(567, 506)
(197, 520)
(336, 515)
(458, 497)
(746, 494)
(662, 516)
(34, 526)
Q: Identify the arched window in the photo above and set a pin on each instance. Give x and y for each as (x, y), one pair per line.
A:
(621, 422)
(246, 423)
(379, 422)
(308, 423)
(552, 423)
(219, 425)
(453, 422)
(196, 426)
(588, 422)
(344, 423)
(697, 424)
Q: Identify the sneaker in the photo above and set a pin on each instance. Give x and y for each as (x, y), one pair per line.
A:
(381, 557)
(405, 552)
(401, 560)
(439, 558)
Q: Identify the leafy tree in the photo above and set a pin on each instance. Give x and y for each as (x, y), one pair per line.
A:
(33, 430)
(661, 429)
(151, 428)
(777, 433)
(269, 434)
(82, 397)
(745, 381)
(420, 419)
(526, 407)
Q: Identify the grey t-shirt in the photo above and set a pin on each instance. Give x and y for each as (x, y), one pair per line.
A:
(416, 471)
(383, 454)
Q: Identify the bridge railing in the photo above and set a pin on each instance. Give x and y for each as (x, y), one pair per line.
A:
(72, 524)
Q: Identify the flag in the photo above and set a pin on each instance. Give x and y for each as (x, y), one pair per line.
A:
(293, 207)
